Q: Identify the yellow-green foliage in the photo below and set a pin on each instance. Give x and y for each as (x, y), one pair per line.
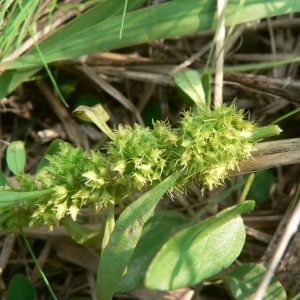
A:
(205, 146)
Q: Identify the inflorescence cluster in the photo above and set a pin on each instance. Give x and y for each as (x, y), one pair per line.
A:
(205, 147)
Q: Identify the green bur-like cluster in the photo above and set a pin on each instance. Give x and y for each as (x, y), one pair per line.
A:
(205, 146)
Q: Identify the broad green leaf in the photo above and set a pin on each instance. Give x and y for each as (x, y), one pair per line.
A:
(190, 84)
(199, 251)
(96, 114)
(244, 280)
(16, 157)
(125, 236)
(262, 186)
(20, 288)
(7, 198)
(3, 179)
(52, 149)
(80, 233)
(157, 230)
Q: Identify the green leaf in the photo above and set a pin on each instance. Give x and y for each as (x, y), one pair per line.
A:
(261, 133)
(206, 84)
(20, 288)
(262, 186)
(81, 234)
(109, 225)
(297, 297)
(16, 157)
(91, 33)
(8, 198)
(199, 251)
(3, 179)
(157, 230)
(96, 30)
(11, 79)
(190, 84)
(125, 236)
(244, 280)
(52, 149)
(77, 29)
(14, 32)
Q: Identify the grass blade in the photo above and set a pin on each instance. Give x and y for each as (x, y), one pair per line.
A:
(37, 264)
(154, 23)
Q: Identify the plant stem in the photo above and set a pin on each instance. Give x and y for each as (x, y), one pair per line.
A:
(37, 264)
(246, 188)
(290, 231)
(220, 56)
(265, 132)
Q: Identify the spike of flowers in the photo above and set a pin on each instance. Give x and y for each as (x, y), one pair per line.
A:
(205, 146)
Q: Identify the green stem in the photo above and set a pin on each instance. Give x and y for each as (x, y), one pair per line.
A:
(247, 188)
(7, 216)
(265, 132)
(37, 264)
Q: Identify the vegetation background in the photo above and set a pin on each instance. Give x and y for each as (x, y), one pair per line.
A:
(131, 77)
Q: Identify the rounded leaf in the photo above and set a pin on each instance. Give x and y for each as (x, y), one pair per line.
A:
(20, 288)
(199, 251)
(16, 157)
(244, 280)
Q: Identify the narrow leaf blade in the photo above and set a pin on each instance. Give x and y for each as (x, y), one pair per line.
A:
(155, 22)
(206, 84)
(11, 79)
(190, 83)
(80, 233)
(3, 179)
(8, 198)
(52, 149)
(125, 236)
